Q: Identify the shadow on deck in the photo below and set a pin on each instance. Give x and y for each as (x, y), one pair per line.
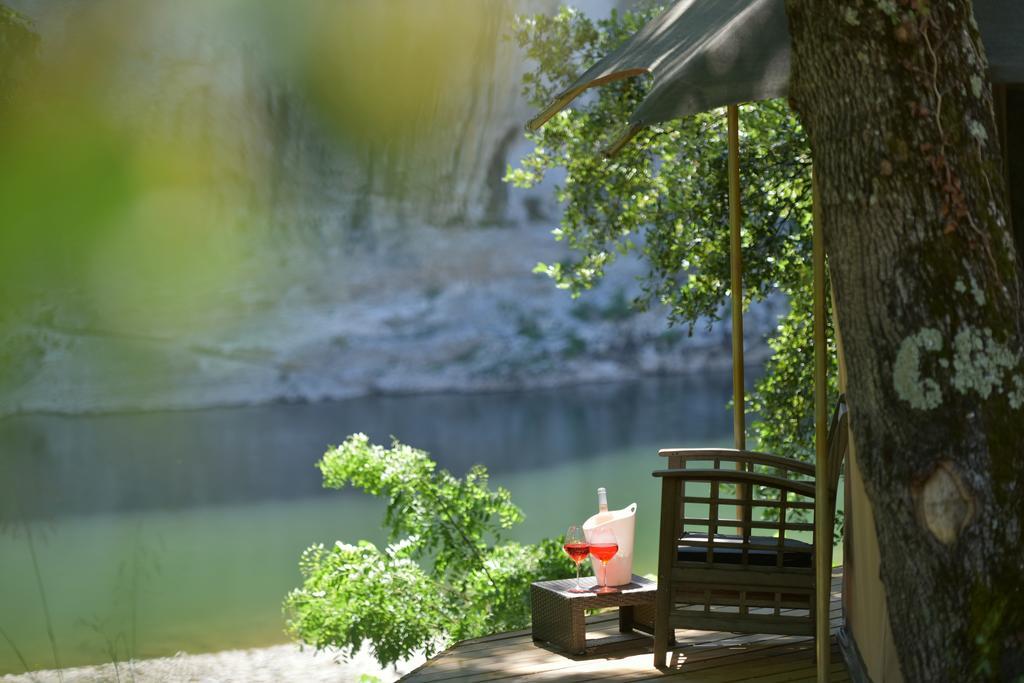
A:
(699, 656)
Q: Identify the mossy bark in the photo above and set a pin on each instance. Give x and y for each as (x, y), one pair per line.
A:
(894, 96)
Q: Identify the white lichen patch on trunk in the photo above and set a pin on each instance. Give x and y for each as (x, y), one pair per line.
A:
(976, 85)
(920, 392)
(1016, 395)
(980, 363)
(943, 503)
(976, 291)
(977, 131)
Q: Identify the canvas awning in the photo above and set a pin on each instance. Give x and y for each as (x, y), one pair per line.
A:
(704, 54)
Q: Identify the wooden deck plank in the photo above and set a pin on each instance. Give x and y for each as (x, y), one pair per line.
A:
(610, 620)
(534, 660)
(741, 665)
(780, 666)
(529, 659)
(523, 652)
(807, 669)
(698, 657)
(522, 644)
(639, 662)
(638, 667)
(710, 669)
(525, 649)
(684, 638)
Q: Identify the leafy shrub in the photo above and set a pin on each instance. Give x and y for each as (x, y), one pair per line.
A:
(447, 574)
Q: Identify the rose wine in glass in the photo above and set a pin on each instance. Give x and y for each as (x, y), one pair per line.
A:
(577, 548)
(604, 546)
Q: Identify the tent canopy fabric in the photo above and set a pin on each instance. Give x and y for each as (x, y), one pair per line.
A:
(704, 54)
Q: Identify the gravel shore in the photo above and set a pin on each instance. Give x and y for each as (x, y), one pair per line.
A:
(259, 665)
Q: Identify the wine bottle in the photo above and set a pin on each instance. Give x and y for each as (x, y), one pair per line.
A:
(602, 515)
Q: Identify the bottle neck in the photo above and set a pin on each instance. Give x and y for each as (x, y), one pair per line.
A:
(602, 500)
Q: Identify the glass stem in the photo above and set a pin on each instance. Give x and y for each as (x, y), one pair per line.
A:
(578, 586)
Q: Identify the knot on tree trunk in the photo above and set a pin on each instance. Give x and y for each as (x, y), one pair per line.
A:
(944, 504)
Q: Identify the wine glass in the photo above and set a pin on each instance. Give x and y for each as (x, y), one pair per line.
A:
(577, 548)
(603, 546)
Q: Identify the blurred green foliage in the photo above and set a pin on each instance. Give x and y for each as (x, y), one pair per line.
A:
(665, 198)
(120, 204)
(18, 45)
(447, 574)
(397, 74)
(161, 165)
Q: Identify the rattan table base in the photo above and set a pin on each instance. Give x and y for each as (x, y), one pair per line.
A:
(559, 617)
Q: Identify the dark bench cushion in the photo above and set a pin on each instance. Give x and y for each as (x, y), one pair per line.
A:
(725, 555)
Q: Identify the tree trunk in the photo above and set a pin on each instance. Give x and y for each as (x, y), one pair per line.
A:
(898, 108)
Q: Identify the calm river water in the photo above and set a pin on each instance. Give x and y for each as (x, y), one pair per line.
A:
(162, 532)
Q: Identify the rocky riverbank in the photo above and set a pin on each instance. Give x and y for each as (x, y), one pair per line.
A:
(438, 310)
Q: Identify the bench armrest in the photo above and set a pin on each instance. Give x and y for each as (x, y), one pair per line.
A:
(734, 455)
(739, 477)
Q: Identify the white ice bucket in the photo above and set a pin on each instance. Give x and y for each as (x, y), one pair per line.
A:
(622, 524)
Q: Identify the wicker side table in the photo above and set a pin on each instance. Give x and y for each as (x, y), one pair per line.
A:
(559, 616)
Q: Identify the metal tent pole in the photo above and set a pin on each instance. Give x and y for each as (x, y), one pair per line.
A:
(822, 504)
(739, 427)
(736, 279)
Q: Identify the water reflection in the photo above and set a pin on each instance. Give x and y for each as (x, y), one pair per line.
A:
(126, 463)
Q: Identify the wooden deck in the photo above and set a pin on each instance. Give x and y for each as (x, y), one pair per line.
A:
(699, 656)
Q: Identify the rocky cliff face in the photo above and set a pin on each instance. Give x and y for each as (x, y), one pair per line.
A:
(356, 265)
